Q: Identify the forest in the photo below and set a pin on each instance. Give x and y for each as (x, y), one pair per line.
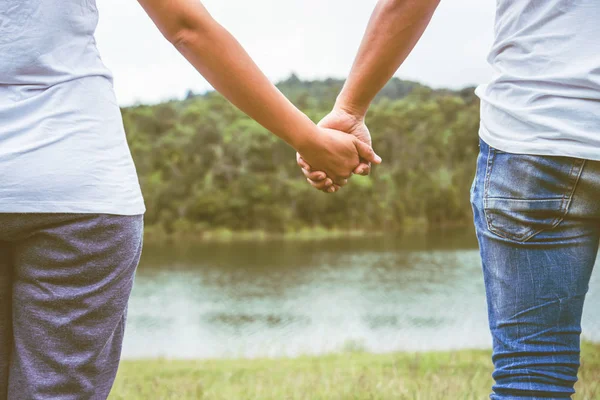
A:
(204, 165)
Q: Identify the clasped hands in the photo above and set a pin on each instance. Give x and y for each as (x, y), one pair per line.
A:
(345, 149)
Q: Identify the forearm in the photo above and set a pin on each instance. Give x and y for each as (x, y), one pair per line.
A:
(225, 64)
(218, 56)
(393, 31)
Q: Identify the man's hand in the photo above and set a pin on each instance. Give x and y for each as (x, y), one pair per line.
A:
(341, 120)
(336, 155)
(394, 29)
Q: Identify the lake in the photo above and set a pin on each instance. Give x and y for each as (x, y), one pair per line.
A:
(289, 298)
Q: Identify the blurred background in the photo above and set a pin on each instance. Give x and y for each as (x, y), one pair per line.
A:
(243, 258)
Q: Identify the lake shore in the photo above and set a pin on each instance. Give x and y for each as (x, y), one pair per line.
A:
(188, 234)
(463, 374)
(154, 235)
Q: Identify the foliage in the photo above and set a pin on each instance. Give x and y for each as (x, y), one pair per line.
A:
(205, 166)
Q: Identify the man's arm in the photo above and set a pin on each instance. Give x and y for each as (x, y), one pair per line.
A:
(218, 56)
(393, 31)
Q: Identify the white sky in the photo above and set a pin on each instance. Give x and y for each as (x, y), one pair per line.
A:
(313, 38)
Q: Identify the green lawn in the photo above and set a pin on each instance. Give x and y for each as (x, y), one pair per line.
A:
(422, 376)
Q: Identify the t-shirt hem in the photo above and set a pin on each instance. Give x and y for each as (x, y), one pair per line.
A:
(44, 207)
(539, 148)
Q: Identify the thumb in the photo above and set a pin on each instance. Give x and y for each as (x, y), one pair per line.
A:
(366, 152)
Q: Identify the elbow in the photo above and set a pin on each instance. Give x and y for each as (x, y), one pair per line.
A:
(182, 37)
(403, 5)
(185, 31)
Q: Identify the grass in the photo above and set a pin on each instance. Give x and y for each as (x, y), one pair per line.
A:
(457, 375)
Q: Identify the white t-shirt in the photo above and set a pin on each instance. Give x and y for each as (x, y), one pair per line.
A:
(545, 95)
(62, 142)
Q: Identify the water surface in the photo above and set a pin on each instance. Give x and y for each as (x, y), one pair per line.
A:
(286, 298)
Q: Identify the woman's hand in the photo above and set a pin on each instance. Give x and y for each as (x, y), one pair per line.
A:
(336, 154)
(341, 120)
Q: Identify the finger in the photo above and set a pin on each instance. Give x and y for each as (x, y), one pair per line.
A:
(315, 175)
(341, 181)
(302, 163)
(364, 169)
(321, 185)
(332, 189)
(366, 152)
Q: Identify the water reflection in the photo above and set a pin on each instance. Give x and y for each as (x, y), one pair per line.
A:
(290, 298)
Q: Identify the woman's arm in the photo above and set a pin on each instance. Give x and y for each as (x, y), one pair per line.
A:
(215, 53)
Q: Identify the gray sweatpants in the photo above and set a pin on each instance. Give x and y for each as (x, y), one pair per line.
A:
(65, 280)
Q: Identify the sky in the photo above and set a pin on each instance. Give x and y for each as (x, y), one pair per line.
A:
(314, 39)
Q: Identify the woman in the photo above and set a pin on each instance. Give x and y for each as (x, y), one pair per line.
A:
(70, 203)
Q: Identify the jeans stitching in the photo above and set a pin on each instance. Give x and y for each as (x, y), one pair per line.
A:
(488, 169)
(573, 181)
(569, 187)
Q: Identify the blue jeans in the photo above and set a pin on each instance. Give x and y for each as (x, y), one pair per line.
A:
(65, 280)
(538, 224)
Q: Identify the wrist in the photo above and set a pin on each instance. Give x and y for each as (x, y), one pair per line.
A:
(305, 136)
(347, 106)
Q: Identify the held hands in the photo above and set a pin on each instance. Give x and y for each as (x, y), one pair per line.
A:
(341, 121)
(335, 154)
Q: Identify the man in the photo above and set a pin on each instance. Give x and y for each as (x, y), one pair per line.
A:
(536, 192)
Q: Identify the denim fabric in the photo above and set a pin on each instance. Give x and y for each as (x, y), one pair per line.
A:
(65, 280)
(538, 224)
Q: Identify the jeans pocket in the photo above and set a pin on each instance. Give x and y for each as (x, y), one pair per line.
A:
(527, 194)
